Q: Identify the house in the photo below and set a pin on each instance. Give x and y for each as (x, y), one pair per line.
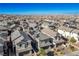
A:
(45, 42)
(3, 23)
(1, 49)
(71, 24)
(46, 37)
(3, 28)
(49, 39)
(68, 32)
(22, 42)
(3, 34)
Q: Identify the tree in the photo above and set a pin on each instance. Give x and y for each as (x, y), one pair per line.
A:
(61, 52)
(42, 52)
(72, 48)
(72, 40)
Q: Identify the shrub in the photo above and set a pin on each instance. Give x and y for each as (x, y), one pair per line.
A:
(72, 40)
(42, 52)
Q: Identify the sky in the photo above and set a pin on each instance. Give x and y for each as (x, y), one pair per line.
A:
(39, 8)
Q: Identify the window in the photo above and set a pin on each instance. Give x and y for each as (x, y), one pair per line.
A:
(26, 45)
(46, 41)
(20, 45)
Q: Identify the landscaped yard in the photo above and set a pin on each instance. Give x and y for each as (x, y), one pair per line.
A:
(68, 49)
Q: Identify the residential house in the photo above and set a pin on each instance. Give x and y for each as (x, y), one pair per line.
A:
(22, 42)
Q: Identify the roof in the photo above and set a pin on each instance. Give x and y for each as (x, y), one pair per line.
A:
(20, 36)
(65, 28)
(25, 35)
(12, 26)
(75, 31)
(3, 28)
(4, 23)
(15, 35)
(43, 36)
(18, 40)
(58, 41)
(44, 40)
(49, 32)
(32, 24)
